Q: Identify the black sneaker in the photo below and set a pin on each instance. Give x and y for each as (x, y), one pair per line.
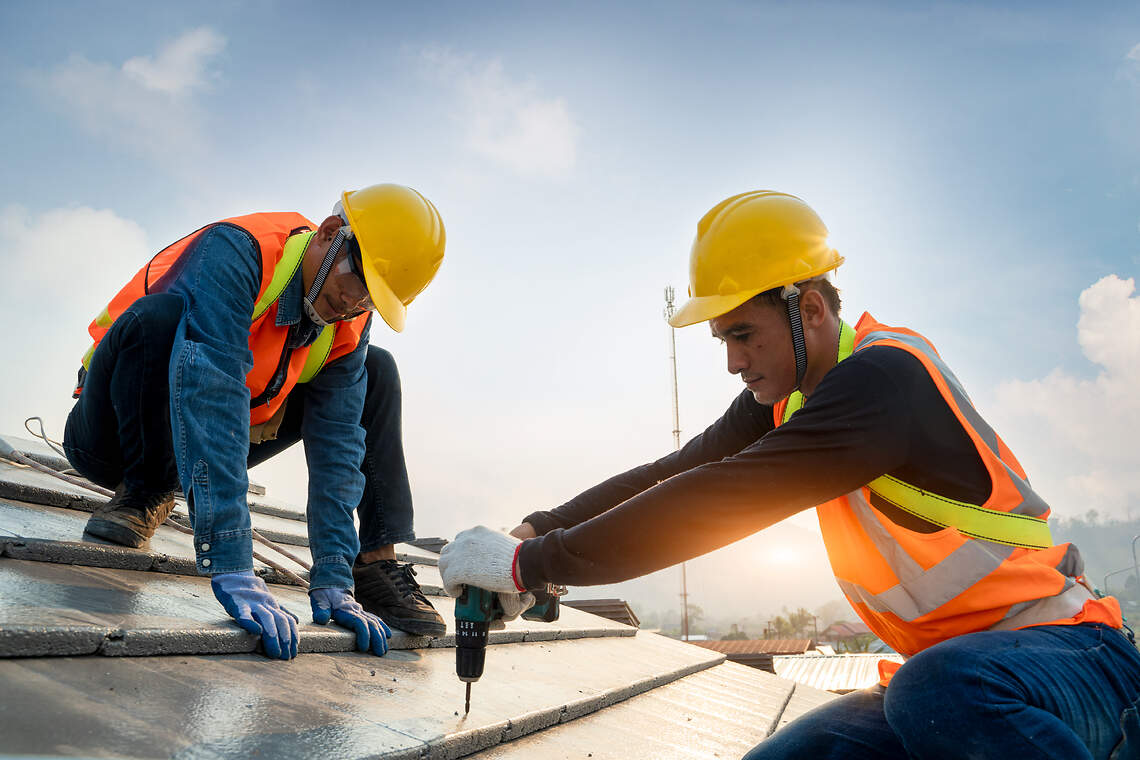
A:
(130, 518)
(389, 590)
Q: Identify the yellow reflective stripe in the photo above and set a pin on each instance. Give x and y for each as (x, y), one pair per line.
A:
(846, 348)
(1006, 528)
(103, 320)
(283, 272)
(318, 353)
(971, 520)
(846, 340)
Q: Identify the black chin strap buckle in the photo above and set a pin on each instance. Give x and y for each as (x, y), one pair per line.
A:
(326, 266)
(791, 296)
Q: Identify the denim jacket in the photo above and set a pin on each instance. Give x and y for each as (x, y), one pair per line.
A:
(219, 278)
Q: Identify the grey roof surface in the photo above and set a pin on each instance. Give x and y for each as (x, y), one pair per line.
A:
(113, 652)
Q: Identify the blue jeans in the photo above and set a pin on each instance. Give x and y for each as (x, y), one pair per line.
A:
(385, 510)
(119, 430)
(1064, 692)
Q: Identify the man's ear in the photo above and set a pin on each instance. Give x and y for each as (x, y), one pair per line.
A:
(329, 227)
(813, 309)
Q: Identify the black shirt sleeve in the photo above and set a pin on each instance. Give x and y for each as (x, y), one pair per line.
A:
(857, 425)
(744, 422)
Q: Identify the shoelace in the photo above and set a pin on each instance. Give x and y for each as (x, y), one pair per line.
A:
(399, 577)
(409, 573)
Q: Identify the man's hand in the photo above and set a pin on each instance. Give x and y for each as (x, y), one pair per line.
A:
(248, 601)
(339, 605)
(523, 531)
(485, 558)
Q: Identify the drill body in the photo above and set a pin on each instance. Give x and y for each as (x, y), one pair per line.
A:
(475, 610)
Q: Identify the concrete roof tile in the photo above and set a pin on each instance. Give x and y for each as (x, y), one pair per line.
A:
(582, 682)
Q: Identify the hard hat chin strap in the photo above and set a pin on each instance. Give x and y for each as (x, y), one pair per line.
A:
(791, 295)
(321, 276)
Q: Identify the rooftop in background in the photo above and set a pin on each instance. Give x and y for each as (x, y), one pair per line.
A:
(838, 673)
(843, 630)
(106, 650)
(756, 653)
(612, 609)
(757, 646)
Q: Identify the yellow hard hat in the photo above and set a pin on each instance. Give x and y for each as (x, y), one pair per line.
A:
(750, 243)
(401, 239)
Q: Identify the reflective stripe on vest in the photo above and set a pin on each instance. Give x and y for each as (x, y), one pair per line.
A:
(283, 273)
(280, 244)
(1022, 526)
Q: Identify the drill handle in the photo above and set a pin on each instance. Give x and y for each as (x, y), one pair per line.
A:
(545, 607)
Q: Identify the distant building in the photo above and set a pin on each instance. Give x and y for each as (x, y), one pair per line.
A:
(756, 653)
(614, 609)
(853, 637)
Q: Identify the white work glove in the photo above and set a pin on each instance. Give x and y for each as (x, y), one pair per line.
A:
(484, 558)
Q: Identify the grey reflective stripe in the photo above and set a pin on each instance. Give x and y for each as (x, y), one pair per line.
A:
(1031, 504)
(919, 592)
(956, 390)
(1071, 565)
(1021, 607)
(901, 563)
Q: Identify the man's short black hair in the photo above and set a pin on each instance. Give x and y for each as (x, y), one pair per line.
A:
(820, 284)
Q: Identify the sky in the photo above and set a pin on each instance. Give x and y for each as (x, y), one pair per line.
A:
(978, 165)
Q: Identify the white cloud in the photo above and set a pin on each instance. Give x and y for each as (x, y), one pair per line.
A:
(1077, 437)
(180, 65)
(147, 104)
(1134, 53)
(61, 267)
(508, 121)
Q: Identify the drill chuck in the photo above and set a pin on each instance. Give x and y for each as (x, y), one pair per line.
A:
(470, 649)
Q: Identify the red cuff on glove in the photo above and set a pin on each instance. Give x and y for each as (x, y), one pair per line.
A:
(514, 570)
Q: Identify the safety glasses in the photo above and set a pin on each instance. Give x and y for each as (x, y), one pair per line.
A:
(349, 270)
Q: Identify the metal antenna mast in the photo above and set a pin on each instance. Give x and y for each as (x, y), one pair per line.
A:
(669, 311)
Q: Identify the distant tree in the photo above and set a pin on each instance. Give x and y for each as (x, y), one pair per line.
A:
(1131, 588)
(695, 614)
(860, 643)
(735, 634)
(801, 623)
(782, 628)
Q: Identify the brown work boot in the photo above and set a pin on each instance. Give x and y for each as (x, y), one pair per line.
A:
(389, 590)
(130, 518)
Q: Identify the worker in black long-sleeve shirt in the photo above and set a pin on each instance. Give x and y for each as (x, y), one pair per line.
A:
(932, 529)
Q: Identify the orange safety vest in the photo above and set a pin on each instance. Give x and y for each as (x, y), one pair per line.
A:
(992, 566)
(270, 232)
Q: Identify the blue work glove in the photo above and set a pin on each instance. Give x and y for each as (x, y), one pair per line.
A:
(339, 604)
(247, 599)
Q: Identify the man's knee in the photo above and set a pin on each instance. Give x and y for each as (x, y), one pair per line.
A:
(383, 376)
(157, 316)
(936, 691)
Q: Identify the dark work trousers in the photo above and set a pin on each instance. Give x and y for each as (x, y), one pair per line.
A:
(119, 429)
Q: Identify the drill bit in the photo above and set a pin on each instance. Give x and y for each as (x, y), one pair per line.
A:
(467, 701)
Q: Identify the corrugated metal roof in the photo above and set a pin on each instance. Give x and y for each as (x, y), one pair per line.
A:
(838, 673)
(67, 602)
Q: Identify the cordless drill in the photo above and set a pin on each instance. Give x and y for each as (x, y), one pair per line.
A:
(475, 610)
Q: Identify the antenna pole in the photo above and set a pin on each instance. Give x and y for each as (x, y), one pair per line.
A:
(669, 311)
